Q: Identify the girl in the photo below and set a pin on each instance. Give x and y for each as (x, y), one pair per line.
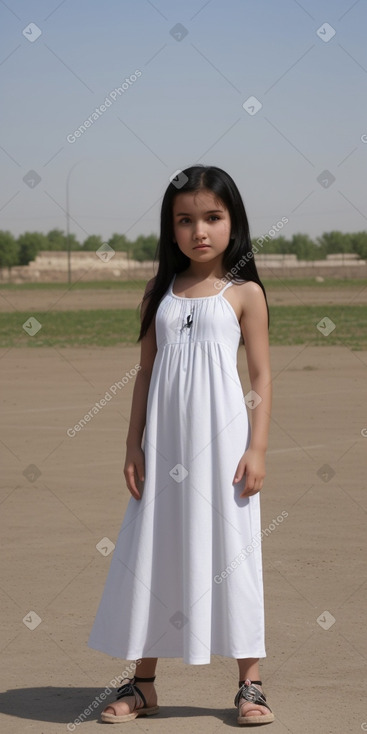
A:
(186, 576)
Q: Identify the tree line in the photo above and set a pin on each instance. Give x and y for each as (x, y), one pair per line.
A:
(23, 249)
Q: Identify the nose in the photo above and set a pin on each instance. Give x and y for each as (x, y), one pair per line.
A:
(199, 231)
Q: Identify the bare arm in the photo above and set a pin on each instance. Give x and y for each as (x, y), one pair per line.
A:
(254, 326)
(134, 462)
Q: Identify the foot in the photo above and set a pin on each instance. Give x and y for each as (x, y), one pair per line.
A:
(129, 704)
(251, 701)
(249, 709)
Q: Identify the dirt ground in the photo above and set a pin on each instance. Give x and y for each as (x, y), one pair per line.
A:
(59, 300)
(61, 495)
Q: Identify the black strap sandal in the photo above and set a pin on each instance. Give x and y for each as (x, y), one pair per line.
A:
(250, 694)
(130, 689)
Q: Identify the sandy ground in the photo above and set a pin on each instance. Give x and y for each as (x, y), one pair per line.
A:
(61, 495)
(59, 300)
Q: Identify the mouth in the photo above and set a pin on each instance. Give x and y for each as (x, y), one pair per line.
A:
(201, 247)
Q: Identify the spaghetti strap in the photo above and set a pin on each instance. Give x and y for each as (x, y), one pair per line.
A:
(227, 285)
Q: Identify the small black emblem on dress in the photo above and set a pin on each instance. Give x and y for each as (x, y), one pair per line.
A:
(189, 320)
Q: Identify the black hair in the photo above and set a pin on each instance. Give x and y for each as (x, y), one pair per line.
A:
(238, 259)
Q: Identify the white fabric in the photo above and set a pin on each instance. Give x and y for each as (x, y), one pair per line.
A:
(164, 595)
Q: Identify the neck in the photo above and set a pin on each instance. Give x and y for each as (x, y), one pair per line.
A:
(205, 271)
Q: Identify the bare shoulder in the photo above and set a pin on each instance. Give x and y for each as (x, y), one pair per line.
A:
(250, 288)
(245, 296)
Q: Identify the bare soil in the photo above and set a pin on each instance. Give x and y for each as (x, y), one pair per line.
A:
(61, 495)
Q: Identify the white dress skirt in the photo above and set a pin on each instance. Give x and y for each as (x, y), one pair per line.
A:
(185, 579)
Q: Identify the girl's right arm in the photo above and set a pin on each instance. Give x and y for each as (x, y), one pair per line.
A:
(135, 463)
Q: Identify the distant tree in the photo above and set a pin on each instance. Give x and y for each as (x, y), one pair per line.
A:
(24, 249)
(334, 242)
(30, 243)
(279, 245)
(119, 243)
(9, 250)
(74, 244)
(302, 246)
(144, 247)
(358, 241)
(57, 240)
(92, 243)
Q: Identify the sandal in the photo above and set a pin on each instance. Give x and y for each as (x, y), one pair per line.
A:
(130, 689)
(249, 692)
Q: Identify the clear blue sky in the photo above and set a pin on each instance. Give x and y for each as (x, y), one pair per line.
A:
(186, 107)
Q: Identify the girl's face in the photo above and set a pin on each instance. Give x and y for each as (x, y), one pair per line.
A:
(201, 224)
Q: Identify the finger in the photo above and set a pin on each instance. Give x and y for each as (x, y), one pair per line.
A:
(131, 484)
(239, 473)
(257, 486)
(250, 481)
(140, 469)
(249, 486)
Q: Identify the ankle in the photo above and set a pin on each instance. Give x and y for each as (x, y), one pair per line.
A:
(147, 682)
(148, 690)
(257, 683)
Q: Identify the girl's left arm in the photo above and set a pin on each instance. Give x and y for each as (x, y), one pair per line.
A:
(254, 327)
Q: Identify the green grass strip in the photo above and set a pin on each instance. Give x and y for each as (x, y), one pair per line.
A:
(100, 328)
(124, 285)
(281, 282)
(289, 325)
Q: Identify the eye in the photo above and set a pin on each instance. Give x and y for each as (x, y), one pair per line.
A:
(184, 220)
(214, 217)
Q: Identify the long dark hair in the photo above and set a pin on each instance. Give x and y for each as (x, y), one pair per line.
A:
(238, 259)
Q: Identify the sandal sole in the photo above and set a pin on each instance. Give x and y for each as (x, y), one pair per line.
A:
(253, 720)
(112, 719)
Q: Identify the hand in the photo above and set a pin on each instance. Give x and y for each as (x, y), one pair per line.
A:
(134, 469)
(252, 463)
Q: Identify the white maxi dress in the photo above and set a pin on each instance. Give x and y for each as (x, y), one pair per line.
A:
(185, 579)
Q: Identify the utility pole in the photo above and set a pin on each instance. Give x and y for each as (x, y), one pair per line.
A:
(68, 219)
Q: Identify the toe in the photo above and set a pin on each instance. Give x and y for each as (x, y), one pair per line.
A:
(251, 709)
(121, 708)
(109, 710)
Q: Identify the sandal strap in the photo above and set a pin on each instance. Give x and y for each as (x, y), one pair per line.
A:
(130, 689)
(249, 692)
(145, 680)
(258, 682)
